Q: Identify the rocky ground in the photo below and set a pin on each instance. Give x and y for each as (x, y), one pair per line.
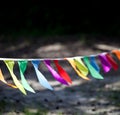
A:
(95, 97)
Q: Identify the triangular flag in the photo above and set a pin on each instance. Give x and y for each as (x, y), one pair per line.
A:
(117, 53)
(62, 72)
(105, 63)
(112, 61)
(54, 73)
(73, 64)
(80, 65)
(43, 81)
(10, 65)
(4, 81)
(94, 64)
(22, 67)
(93, 72)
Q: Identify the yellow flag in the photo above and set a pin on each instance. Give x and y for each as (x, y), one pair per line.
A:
(80, 65)
(4, 81)
(73, 64)
(10, 65)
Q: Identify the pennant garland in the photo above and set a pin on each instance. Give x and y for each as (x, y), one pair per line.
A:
(10, 65)
(4, 81)
(94, 64)
(82, 65)
(73, 64)
(40, 76)
(105, 63)
(112, 62)
(54, 73)
(62, 72)
(22, 67)
(93, 72)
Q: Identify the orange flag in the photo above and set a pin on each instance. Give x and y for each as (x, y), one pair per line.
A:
(117, 53)
(4, 81)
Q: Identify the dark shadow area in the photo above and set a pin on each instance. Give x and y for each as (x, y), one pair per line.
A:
(95, 97)
(26, 47)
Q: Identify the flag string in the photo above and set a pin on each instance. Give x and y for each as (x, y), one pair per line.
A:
(42, 59)
(83, 67)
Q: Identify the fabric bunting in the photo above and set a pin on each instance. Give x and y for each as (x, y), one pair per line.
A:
(62, 72)
(73, 64)
(94, 63)
(22, 67)
(105, 63)
(4, 81)
(54, 73)
(10, 65)
(82, 65)
(93, 72)
(40, 76)
(112, 61)
(117, 53)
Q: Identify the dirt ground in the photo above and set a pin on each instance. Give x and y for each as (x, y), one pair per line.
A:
(94, 97)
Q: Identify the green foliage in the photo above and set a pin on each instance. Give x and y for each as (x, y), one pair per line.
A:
(40, 111)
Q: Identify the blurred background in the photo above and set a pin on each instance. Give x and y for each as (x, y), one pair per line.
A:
(35, 29)
(35, 18)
